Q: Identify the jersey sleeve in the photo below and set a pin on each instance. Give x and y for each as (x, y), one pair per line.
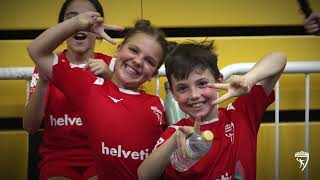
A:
(169, 132)
(105, 58)
(33, 85)
(33, 81)
(74, 82)
(254, 105)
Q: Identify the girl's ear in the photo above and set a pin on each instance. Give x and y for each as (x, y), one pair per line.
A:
(117, 52)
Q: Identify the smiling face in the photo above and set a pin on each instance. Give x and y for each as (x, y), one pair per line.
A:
(137, 61)
(81, 42)
(194, 96)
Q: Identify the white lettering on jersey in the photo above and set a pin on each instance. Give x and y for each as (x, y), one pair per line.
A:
(114, 99)
(159, 142)
(157, 112)
(230, 106)
(99, 81)
(65, 121)
(229, 131)
(119, 152)
(225, 177)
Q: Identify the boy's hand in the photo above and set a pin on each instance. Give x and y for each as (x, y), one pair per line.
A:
(93, 22)
(99, 68)
(184, 132)
(236, 86)
(312, 24)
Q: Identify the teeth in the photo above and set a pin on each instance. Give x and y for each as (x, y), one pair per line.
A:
(131, 70)
(197, 105)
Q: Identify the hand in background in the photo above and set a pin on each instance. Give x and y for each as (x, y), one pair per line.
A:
(312, 24)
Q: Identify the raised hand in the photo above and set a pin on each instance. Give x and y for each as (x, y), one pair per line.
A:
(312, 24)
(99, 68)
(236, 86)
(184, 132)
(93, 22)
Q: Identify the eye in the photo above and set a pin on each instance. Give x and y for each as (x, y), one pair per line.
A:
(134, 50)
(203, 84)
(151, 61)
(181, 89)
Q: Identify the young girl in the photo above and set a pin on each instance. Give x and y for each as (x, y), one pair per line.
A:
(123, 123)
(65, 151)
(193, 76)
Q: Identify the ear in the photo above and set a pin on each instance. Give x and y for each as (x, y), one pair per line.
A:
(220, 79)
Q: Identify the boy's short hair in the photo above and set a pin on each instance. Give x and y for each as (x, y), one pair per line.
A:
(184, 58)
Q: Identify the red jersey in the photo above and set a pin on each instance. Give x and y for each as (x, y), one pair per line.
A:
(65, 139)
(233, 150)
(123, 126)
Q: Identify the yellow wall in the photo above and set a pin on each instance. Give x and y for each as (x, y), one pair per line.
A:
(14, 155)
(291, 141)
(41, 14)
(193, 13)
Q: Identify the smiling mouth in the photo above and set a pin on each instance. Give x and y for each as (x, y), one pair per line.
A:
(130, 70)
(80, 36)
(197, 106)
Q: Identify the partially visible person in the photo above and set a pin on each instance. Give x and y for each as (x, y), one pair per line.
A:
(312, 24)
(123, 122)
(194, 78)
(65, 152)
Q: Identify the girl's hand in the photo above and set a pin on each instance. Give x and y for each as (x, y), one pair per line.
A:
(99, 68)
(93, 22)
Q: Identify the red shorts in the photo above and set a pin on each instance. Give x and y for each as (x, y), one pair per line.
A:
(74, 173)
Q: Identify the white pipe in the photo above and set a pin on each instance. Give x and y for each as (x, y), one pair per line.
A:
(291, 67)
(16, 73)
(306, 123)
(277, 145)
(157, 85)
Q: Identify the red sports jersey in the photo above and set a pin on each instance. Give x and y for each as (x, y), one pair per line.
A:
(65, 139)
(123, 125)
(233, 151)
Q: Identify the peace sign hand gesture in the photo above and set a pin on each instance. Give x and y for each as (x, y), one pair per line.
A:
(236, 86)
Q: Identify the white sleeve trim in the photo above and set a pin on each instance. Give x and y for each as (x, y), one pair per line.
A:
(174, 127)
(112, 63)
(162, 103)
(55, 59)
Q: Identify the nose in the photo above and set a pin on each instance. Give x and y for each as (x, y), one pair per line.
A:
(137, 61)
(195, 93)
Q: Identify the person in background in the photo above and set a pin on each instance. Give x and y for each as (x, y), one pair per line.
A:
(194, 78)
(65, 152)
(312, 24)
(123, 122)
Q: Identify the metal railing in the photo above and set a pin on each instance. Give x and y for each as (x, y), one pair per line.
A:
(240, 68)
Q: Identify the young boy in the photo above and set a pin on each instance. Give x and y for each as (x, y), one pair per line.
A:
(194, 79)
